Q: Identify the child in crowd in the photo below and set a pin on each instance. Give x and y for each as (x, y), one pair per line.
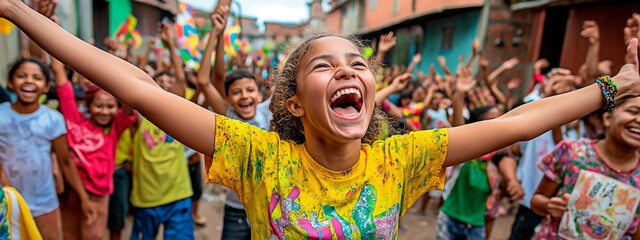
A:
(161, 188)
(615, 156)
(28, 134)
(242, 102)
(92, 146)
(119, 199)
(473, 186)
(321, 173)
(462, 215)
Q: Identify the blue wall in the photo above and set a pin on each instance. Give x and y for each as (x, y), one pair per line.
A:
(466, 26)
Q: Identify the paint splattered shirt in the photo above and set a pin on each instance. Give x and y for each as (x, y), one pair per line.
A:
(563, 166)
(287, 195)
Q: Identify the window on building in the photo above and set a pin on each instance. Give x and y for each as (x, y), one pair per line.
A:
(372, 4)
(447, 37)
(352, 9)
(395, 6)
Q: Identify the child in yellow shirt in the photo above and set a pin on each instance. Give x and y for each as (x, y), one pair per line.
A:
(320, 173)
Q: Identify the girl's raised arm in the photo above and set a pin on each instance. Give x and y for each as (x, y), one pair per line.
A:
(212, 96)
(530, 120)
(183, 120)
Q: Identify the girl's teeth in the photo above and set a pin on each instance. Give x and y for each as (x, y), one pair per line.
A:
(345, 91)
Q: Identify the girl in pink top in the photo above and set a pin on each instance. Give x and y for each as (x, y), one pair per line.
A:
(92, 143)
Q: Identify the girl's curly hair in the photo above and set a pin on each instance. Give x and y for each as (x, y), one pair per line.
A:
(288, 126)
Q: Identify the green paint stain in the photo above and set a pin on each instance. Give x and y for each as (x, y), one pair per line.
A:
(363, 212)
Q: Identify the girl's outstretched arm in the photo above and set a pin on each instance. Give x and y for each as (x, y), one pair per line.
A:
(183, 120)
(530, 120)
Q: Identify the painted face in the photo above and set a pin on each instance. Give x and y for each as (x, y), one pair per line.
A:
(28, 82)
(103, 109)
(166, 82)
(336, 89)
(624, 122)
(244, 97)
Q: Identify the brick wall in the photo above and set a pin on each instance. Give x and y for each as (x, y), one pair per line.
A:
(503, 24)
(281, 31)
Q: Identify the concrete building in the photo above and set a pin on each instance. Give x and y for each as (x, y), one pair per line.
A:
(527, 29)
(250, 31)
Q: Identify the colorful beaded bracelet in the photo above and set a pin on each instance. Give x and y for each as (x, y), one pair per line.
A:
(609, 91)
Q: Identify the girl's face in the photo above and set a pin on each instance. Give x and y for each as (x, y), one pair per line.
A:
(335, 91)
(103, 109)
(28, 82)
(624, 122)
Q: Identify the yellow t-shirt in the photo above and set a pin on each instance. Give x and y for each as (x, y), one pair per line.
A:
(159, 169)
(124, 149)
(286, 194)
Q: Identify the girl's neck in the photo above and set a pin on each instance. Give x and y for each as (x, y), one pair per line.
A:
(335, 156)
(22, 108)
(618, 155)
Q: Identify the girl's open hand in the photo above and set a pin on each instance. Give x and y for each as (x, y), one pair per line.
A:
(557, 206)
(632, 30)
(628, 80)
(590, 31)
(509, 64)
(400, 82)
(514, 83)
(387, 41)
(90, 210)
(464, 80)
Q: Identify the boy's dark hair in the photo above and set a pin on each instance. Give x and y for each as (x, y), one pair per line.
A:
(163, 73)
(476, 115)
(440, 91)
(236, 75)
(406, 94)
(46, 71)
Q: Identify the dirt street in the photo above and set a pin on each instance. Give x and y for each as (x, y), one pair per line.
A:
(414, 226)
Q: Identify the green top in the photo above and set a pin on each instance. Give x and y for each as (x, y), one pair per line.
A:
(467, 201)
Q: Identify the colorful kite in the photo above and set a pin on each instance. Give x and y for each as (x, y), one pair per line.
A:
(127, 31)
(261, 57)
(230, 37)
(187, 36)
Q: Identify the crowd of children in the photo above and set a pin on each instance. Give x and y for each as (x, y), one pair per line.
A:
(328, 146)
